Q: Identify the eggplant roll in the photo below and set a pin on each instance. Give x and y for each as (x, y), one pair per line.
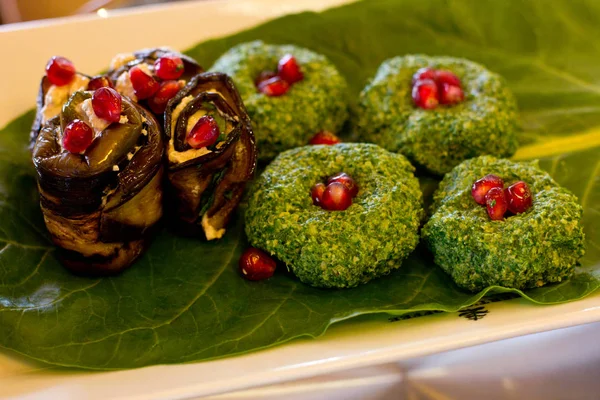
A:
(207, 183)
(51, 99)
(100, 205)
(145, 59)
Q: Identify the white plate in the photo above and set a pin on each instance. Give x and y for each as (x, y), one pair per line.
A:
(355, 343)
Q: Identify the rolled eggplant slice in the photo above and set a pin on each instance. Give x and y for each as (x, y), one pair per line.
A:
(207, 183)
(51, 98)
(122, 63)
(100, 205)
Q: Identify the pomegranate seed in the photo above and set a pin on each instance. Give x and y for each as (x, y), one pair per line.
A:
(166, 92)
(443, 76)
(205, 133)
(100, 81)
(144, 85)
(60, 71)
(263, 76)
(316, 193)
(450, 94)
(482, 186)
(169, 67)
(77, 136)
(345, 180)
(423, 74)
(425, 94)
(325, 137)
(256, 265)
(274, 86)
(519, 197)
(496, 204)
(336, 197)
(289, 70)
(106, 103)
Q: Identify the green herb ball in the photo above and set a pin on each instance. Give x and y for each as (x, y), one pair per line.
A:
(539, 246)
(316, 103)
(336, 249)
(441, 138)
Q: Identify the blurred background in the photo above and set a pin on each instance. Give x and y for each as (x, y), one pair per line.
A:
(12, 11)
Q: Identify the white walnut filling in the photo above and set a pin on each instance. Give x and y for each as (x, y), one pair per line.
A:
(115, 168)
(209, 230)
(57, 96)
(177, 111)
(86, 111)
(148, 69)
(124, 86)
(123, 119)
(120, 60)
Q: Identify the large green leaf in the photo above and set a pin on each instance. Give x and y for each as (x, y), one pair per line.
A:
(184, 301)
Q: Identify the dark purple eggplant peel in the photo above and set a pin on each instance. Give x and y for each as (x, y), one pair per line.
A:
(207, 184)
(100, 206)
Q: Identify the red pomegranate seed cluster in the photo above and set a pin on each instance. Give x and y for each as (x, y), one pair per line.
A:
(325, 137)
(432, 87)
(337, 194)
(162, 85)
(490, 191)
(278, 83)
(256, 265)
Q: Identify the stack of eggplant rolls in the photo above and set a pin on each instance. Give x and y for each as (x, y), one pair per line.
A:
(155, 135)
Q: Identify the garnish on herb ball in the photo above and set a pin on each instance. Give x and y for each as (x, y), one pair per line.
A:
(325, 137)
(277, 84)
(490, 191)
(482, 186)
(337, 195)
(431, 87)
(274, 87)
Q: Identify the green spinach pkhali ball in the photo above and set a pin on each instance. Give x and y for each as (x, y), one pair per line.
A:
(336, 249)
(316, 103)
(438, 139)
(539, 246)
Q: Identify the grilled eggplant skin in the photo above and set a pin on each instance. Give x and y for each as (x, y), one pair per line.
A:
(100, 207)
(206, 186)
